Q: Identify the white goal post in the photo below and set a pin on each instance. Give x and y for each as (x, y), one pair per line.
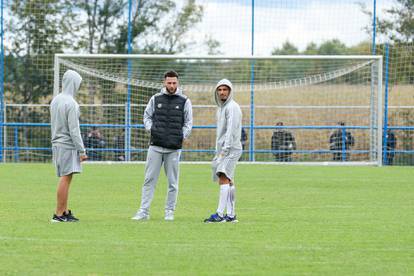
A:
(332, 106)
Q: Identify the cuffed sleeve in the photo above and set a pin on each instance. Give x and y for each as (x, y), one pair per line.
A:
(188, 119)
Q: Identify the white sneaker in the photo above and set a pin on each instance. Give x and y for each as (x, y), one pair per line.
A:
(140, 216)
(169, 215)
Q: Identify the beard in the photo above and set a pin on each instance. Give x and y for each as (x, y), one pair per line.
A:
(171, 91)
(223, 98)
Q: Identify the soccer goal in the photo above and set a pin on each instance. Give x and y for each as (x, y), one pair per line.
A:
(296, 109)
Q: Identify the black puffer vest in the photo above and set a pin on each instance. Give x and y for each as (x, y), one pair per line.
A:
(168, 121)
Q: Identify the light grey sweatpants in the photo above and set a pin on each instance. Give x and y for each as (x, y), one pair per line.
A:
(156, 157)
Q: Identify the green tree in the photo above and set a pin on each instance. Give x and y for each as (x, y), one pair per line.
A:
(37, 30)
(403, 23)
(311, 49)
(172, 36)
(362, 48)
(397, 27)
(213, 46)
(101, 17)
(287, 49)
(107, 23)
(398, 24)
(157, 26)
(145, 20)
(332, 47)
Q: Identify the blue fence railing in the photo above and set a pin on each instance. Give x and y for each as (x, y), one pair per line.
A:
(15, 147)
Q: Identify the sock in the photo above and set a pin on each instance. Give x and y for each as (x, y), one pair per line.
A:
(224, 194)
(231, 201)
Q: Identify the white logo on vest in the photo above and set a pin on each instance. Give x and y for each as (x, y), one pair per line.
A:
(159, 105)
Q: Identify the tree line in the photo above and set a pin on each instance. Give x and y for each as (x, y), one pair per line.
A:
(37, 29)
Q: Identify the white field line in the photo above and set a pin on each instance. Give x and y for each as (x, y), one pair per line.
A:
(181, 244)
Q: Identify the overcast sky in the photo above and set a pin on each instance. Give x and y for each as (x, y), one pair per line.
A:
(276, 21)
(299, 21)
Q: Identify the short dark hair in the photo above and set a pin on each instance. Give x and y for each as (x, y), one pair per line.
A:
(170, 74)
(279, 123)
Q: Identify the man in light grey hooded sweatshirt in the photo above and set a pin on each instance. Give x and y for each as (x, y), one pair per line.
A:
(228, 150)
(67, 145)
(169, 118)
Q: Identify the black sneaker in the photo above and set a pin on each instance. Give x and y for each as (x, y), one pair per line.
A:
(69, 216)
(57, 218)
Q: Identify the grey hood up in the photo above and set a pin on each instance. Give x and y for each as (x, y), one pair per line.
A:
(65, 113)
(229, 122)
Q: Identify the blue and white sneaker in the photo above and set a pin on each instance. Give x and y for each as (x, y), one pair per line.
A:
(214, 218)
(230, 219)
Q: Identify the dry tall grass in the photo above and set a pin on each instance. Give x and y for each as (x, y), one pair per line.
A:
(321, 105)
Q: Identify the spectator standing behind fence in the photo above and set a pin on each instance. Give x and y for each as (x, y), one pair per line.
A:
(243, 138)
(119, 145)
(94, 140)
(391, 145)
(337, 143)
(283, 141)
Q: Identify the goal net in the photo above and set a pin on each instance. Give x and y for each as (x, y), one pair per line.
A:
(296, 109)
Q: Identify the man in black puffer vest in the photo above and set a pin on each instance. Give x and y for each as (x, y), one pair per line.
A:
(169, 118)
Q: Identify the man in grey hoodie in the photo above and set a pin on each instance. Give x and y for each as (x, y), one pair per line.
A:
(228, 150)
(169, 118)
(67, 145)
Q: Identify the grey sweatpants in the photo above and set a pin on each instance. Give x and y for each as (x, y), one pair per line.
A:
(156, 157)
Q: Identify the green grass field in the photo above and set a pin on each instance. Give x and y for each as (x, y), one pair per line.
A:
(294, 220)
